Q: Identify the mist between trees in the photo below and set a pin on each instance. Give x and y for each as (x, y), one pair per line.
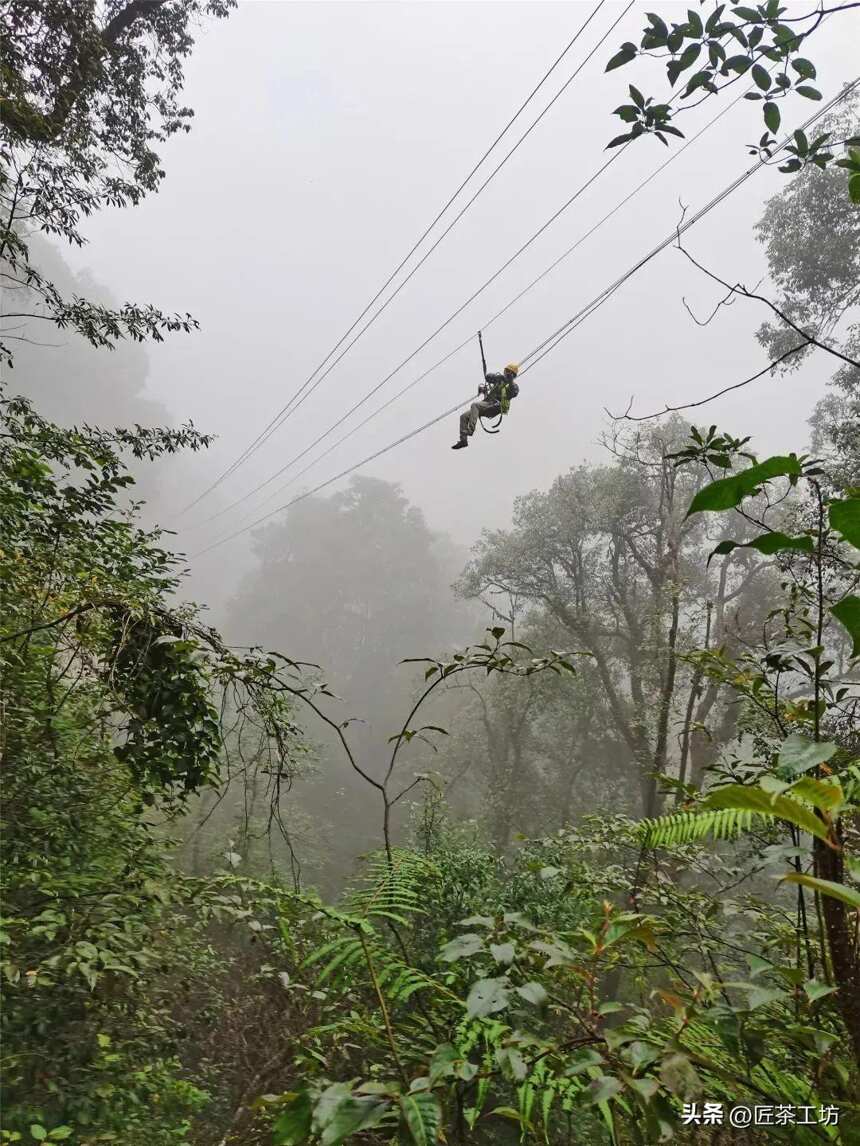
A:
(548, 838)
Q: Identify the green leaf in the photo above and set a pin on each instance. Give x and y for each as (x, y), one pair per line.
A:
(772, 117)
(854, 188)
(797, 754)
(810, 93)
(646, 1088)
(619, 139)
(60, 1133)
(847, 612)
(761, 996)
(503, 952)
(487, 996)
(512, 1063)
(748, 799)
(603, 1088)
(826, 795)
(845, 519)
(628, 52)
(442, 1064)
(826, 887)
(804, 68)
(748, 14)
(815, 990)
(726, 493)
(767, 543)
(679, 1075)
(694, 23)
(462, 946)
(761, 77)
(38, 1132)
(642, 1054)
(348, 1116)
(533, 993)
(422, 1116)
(294, 1123)
(512, 1114)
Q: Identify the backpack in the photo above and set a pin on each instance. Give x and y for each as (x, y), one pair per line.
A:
(509, 390)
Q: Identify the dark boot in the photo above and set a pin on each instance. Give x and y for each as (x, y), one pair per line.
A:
(461, 445)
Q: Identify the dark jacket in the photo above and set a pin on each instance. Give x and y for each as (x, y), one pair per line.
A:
(500, 390)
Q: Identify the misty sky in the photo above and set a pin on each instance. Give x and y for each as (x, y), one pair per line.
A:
(327, 136)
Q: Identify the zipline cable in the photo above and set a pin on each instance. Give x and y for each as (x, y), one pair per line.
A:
(555, 338)
(288, 413)
(274, 423)
(366, 397)
(484, 326)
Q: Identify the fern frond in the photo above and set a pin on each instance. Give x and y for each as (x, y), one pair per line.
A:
(685, 827)
(392, 888)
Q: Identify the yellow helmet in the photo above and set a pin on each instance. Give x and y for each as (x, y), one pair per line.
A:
(512, 368)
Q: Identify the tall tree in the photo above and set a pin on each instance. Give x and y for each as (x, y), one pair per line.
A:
(88, 92)
(609, 554)
(811, 234)
(356, 582)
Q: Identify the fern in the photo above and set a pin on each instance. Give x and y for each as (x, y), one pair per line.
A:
(685, 827)
(391, 889)
(727, 811)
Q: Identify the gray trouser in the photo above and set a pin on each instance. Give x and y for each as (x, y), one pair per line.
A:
(469, 419)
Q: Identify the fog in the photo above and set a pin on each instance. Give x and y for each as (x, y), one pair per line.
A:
(325, 138)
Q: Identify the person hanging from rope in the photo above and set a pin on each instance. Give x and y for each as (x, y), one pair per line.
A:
(494, 402)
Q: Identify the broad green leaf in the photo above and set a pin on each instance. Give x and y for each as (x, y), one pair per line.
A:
(642, 1054)
(847, 612)
(487, 996)
(512, 1063)
(742, 798)
(463, 945)
(603, 1088)
(350, 1116)
(628, 52)
(442, 1063)
(767, 543)
(845, 519)
(797, 754)
(826, 795)
(422, 1116)
(772, 118)
(679, 1075)
(60, 1133)
(810, 93)
(293, 1125)
(511, 1113)
(726, 493)
(533, 993)
(761, 996)
(503, 952)
(815, 990)
(761, 77)
(559, 952)
(827, 887)
(38, 1132)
